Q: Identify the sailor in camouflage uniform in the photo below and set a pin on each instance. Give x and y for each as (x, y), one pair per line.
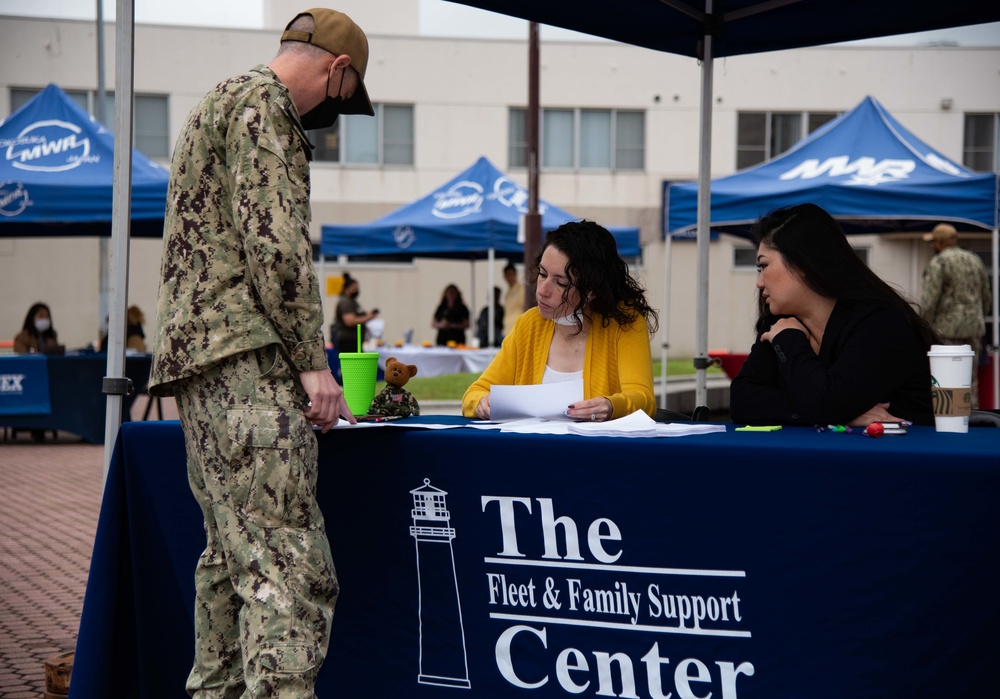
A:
(239, 344)
(956, 296)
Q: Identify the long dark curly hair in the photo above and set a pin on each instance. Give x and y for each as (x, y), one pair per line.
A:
(813, 244)
(600, 276)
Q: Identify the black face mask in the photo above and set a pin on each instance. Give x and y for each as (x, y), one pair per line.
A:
(323, 115)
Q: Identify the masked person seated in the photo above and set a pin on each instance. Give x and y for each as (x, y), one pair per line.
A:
(592, 322)
(37, 333)
(835, 344)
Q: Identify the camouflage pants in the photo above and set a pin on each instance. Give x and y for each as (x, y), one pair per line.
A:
(265, 586)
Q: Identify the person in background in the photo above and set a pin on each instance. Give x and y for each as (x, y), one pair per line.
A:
(239, 344)
(513, 299)
(135, 336)
(348, 316)
(451, 319)
(483, 322)
(37, 333)
(592, 322)
(835, 344)
(956, 296)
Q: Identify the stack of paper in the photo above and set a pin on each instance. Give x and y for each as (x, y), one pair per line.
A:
(639, 424)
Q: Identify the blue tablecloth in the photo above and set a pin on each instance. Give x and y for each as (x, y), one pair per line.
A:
(78, 404)
(752, 565)
(24, 385)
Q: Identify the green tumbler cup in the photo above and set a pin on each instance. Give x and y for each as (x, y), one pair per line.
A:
(359, 370)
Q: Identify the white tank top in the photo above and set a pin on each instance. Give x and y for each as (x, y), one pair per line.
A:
(553, 376)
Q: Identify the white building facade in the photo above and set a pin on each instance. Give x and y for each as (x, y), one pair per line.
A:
(617, 122)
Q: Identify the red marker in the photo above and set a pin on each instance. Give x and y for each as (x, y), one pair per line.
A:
(875, 429)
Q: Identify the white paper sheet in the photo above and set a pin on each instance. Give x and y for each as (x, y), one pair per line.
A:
(546, 400)
(639, 424)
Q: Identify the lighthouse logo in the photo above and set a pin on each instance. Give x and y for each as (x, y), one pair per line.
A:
(443, 656)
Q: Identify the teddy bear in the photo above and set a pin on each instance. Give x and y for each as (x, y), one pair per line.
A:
(394, 399)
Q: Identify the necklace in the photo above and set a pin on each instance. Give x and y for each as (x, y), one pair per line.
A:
(568, 339)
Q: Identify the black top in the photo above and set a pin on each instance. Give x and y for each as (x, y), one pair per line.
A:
(870, 354)
(456, 314)
(483, 326)
(345, 338)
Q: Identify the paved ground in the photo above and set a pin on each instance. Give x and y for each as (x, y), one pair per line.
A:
(48, 519)
(51, 499)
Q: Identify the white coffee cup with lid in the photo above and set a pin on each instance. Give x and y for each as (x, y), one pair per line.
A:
(951, 386)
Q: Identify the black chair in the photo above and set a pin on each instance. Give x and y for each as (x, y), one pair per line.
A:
(984, 418)
(700, 414)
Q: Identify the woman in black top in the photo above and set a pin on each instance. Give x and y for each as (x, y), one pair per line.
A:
(348, 316)
(451, 317)
(835, 344)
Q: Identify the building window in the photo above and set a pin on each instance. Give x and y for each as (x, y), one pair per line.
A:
(358, 139)
(764, 135)
(581, 139)
(150, 133)
(517, 138)
(982, 133)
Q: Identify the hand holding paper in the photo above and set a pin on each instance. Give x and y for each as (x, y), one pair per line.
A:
(547, 400)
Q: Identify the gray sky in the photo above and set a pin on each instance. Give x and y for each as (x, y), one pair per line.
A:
(437, 18)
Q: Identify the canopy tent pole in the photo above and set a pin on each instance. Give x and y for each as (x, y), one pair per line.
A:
(491, 312)
(472, 281)
(103, 243)
(533, 218)
(322, 284)
(995, 350)
(665, 317)
(704, 218)
(115, 383)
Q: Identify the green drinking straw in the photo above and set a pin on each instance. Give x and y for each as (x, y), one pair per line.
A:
(359, 337)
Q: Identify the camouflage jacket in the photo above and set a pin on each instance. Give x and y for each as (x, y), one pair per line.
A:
(956, 295)
(237, 270)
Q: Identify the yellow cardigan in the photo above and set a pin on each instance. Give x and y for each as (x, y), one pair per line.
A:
(617, 363)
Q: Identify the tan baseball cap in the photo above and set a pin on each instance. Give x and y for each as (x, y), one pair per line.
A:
(941, 233)
(337, 33)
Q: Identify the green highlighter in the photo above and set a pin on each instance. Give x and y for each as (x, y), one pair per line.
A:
(759, 428)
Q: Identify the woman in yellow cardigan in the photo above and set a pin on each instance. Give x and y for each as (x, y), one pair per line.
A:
(592, 321)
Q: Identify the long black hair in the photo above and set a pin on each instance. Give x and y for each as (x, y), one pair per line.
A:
(600, 276)
(29, 322)
(813, 244)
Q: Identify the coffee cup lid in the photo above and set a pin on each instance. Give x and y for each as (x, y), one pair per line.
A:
(951, 351)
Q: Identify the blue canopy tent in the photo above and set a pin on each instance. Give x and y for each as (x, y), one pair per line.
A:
(58, 178)
(865, 168)
(475, 215)
(57, 174)
(704, 29)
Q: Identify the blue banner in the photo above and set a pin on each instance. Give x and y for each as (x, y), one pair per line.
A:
(24, 385)
(784, 565)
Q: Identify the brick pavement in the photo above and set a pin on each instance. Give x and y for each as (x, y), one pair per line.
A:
(48, 518)
(51, 499)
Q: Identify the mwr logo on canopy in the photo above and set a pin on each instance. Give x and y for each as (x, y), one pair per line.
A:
(513, 196)
(50, 146)
(13, 198)
(461, 199)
